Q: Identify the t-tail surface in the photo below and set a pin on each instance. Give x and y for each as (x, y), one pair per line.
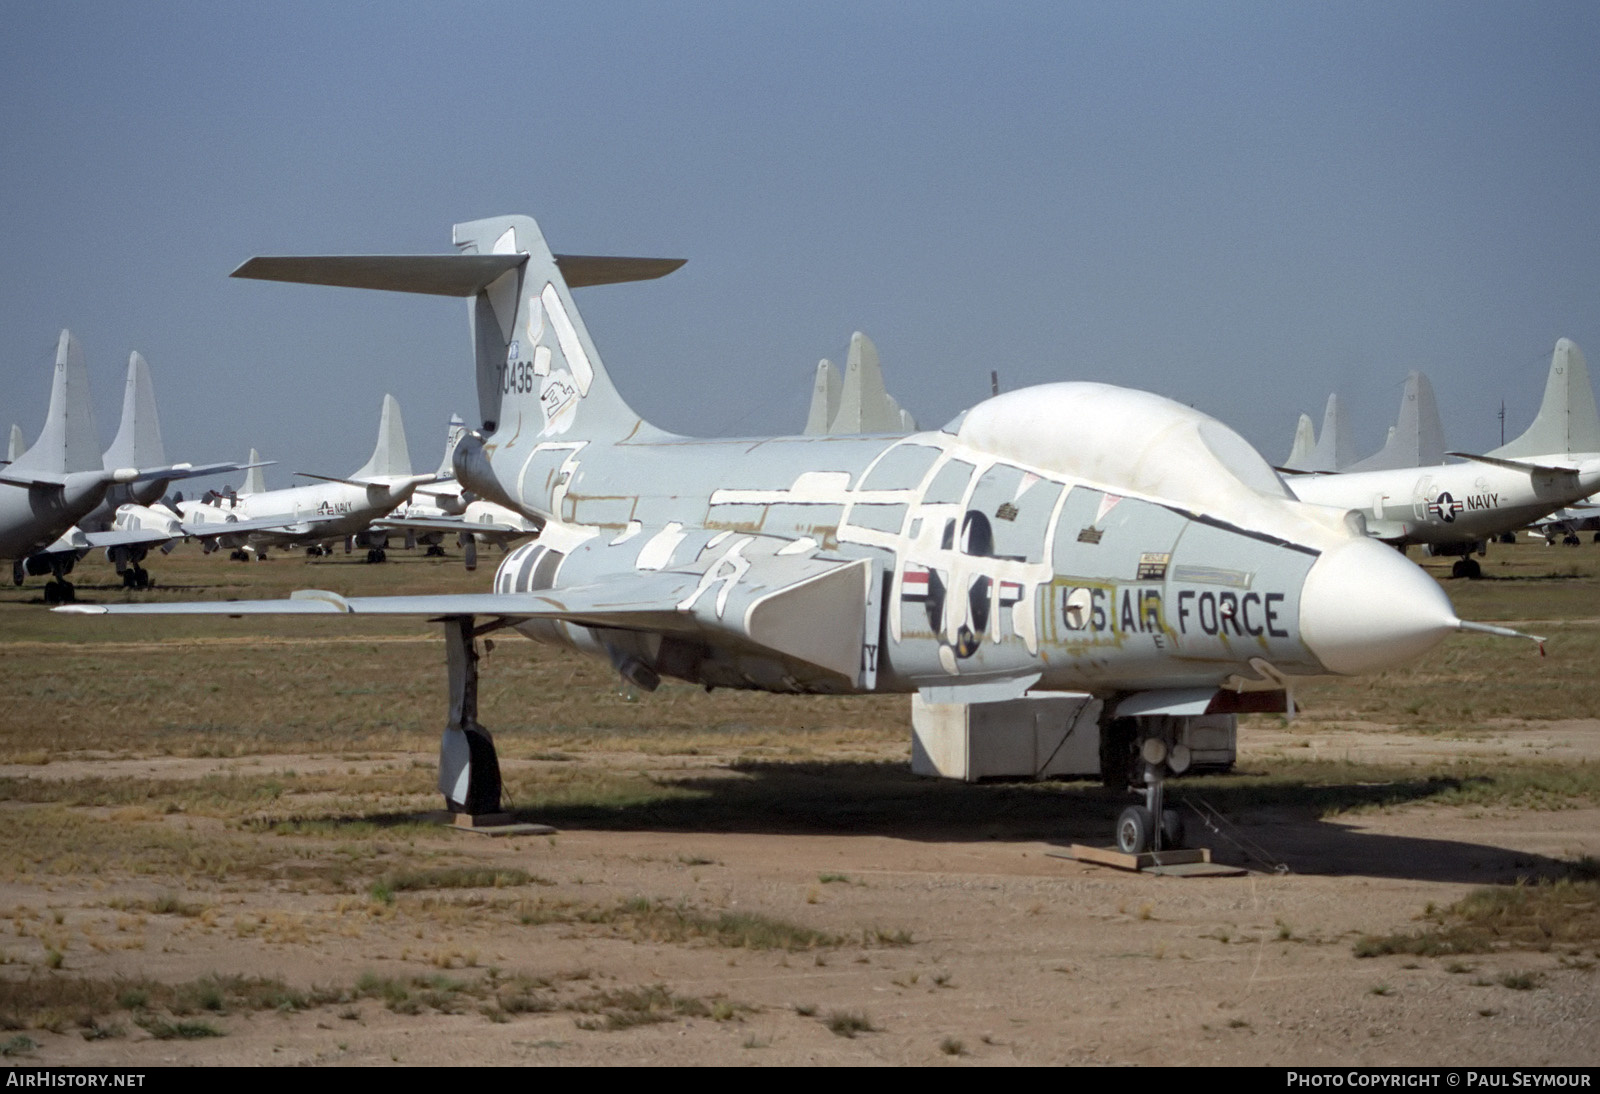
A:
(1072, 539)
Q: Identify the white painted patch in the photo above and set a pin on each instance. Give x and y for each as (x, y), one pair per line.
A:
(718, 538)
(541, 361)
(657, 550)
(634, 528)
(809, 488)
(535, 323)
(1108, 502)
(725, 571)
(567, 337)
(947, 659)
(506, 244)
(798, 547)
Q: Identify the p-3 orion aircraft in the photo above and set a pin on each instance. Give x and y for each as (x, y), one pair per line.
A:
(1066, 538)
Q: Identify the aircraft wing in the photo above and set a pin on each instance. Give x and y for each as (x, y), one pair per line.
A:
(638, 603)
(290, 525)
(127, 537)
(445, 524)
(1518, 465)
(813, 612)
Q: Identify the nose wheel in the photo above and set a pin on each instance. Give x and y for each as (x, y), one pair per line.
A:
(1152, 826)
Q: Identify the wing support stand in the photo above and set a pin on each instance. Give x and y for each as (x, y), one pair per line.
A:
(469, 769)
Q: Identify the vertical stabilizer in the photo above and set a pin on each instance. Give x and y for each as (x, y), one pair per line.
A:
(864, 404)
(138, 439)
(1567, 421)
(69, 441)
(1335, 449)
(1417, 437)
(390, 457)
(254, 481)
(824, 399)
(452, 437)
(1305, 441)
(539, 374)
(17, 445)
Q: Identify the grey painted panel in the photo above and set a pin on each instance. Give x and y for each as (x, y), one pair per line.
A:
(903, 467)
(949, 486)
(879, 518)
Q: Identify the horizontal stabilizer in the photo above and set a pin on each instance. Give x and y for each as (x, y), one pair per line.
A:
(437, 275)
(582, 271)
(444, 275)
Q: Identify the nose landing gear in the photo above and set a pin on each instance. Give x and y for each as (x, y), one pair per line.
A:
(1152, 826)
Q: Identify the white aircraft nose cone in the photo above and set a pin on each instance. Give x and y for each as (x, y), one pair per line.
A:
(1365, 607)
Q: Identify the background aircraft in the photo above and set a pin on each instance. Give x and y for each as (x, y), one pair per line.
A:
(1455, 509)
(1072, 539)
(314, 516)
(62, 481)
(859, 403)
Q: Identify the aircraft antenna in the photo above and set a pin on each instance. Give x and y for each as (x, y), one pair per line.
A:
(994, 382)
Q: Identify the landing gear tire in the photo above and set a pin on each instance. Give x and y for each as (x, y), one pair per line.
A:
(1571, 541)
(1135, 829)
(59, 592)
(1467, 568)
(129, 581)
(1171, 829)
(372, 555)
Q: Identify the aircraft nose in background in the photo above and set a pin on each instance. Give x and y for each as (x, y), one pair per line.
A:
(1365, 607)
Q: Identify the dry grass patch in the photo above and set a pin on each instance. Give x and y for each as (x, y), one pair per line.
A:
(1543, 916)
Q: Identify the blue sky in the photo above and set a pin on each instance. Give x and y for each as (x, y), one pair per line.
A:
(1242, 206)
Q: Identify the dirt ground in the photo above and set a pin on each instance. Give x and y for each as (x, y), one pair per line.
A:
(757, 876)
(985, 950)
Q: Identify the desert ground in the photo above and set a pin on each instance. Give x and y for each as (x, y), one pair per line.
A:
(221, 844)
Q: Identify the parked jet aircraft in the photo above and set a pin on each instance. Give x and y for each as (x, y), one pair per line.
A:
(47, 491)
(318, 515)
(1072, 537)
(1455, 509)
(125, 523)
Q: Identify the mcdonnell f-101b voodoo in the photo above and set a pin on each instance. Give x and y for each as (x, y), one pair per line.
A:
(1067, 538)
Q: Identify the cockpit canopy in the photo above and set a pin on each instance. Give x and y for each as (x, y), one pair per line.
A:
(1140, 442)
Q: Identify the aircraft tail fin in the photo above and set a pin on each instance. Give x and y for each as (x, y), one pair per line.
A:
(1567, 420)
(390, 457)
(824, 399)
(864, 402)
(538, 372)
(1305, 442)
(138, 439)
(254, 481)
(69, 441)
(1336, 444)
(452, 437)
(1417, 439)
